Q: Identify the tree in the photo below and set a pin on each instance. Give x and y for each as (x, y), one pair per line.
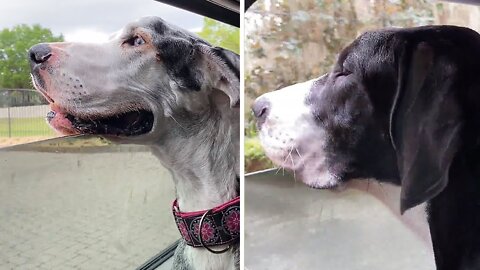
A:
(14, 44)
(220, 34)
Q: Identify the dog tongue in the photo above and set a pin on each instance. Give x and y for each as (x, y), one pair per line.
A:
(59, 121)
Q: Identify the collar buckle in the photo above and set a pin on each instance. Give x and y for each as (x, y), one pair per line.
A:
(214, 227)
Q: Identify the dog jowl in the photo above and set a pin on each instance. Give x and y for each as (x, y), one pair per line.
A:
(400, 106)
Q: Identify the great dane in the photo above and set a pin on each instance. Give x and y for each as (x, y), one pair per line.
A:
(155, 84)
(401, 106)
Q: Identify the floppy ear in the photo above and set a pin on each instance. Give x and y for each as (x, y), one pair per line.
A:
(223, 67)
(179, 58)
(425, 124)
(193, 65)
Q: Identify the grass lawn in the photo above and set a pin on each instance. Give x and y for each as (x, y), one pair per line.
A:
(25, 127)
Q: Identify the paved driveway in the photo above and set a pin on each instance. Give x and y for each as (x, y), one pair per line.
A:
(289, 226)
(83, 211)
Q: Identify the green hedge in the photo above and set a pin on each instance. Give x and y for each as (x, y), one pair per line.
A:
(255, 159)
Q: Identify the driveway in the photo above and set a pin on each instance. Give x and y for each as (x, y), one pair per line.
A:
(105, 210)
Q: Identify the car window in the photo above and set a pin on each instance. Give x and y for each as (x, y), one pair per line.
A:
(79, 202)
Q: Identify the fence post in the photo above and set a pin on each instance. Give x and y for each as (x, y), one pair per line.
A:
(9, 122)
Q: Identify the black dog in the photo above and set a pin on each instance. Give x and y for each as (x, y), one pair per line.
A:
(401, 106)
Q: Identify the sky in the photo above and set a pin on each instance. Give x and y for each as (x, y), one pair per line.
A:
(91, 20)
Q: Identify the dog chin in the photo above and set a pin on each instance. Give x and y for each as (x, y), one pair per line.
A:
(314, 176)
(282, 157)
(320, 181)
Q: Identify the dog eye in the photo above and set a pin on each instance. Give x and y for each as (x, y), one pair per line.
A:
(135, 41)
(342, 72)
(346, 70)
(138, 41)
(341, 69)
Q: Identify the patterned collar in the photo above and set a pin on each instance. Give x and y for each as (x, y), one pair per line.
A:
(218, 226)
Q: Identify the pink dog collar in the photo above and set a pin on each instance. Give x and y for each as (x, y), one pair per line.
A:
(218, 226)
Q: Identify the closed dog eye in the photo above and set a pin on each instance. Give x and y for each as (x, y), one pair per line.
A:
(341, 69)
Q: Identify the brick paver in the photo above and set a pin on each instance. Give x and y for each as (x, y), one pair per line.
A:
(83, 211)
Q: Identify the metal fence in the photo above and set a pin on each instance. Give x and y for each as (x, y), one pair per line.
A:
(22, 114)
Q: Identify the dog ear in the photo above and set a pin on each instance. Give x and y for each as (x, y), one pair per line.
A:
(179, 57)
(425, 124)
(194, 65)
(223, 67)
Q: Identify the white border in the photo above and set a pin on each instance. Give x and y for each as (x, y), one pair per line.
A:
(242, 135)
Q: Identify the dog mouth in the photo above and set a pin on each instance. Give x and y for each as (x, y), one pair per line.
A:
(125, 124)
(304, 158)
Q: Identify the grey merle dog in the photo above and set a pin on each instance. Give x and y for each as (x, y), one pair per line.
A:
(158, 85)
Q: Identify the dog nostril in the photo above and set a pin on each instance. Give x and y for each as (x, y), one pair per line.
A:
(44, 58)
(261, 108)
(33, 57)
(39, 53)
(263, 112)
(39, 58)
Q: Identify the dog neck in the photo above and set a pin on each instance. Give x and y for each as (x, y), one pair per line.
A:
(202, 154)
(203, 157)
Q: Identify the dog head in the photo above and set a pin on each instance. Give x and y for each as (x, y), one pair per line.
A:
(148, 79)
(394, 107)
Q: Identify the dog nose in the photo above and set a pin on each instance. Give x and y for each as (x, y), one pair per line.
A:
(261, 108)
(39, 54)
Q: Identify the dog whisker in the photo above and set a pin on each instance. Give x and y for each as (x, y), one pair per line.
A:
(282, 167)
(177, 123)
(286, 157)
(301, 158)
(75, 104)
(293, 163)
(385, 195)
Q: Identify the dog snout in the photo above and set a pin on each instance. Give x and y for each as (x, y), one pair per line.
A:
(261, 108)
(39, 54)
